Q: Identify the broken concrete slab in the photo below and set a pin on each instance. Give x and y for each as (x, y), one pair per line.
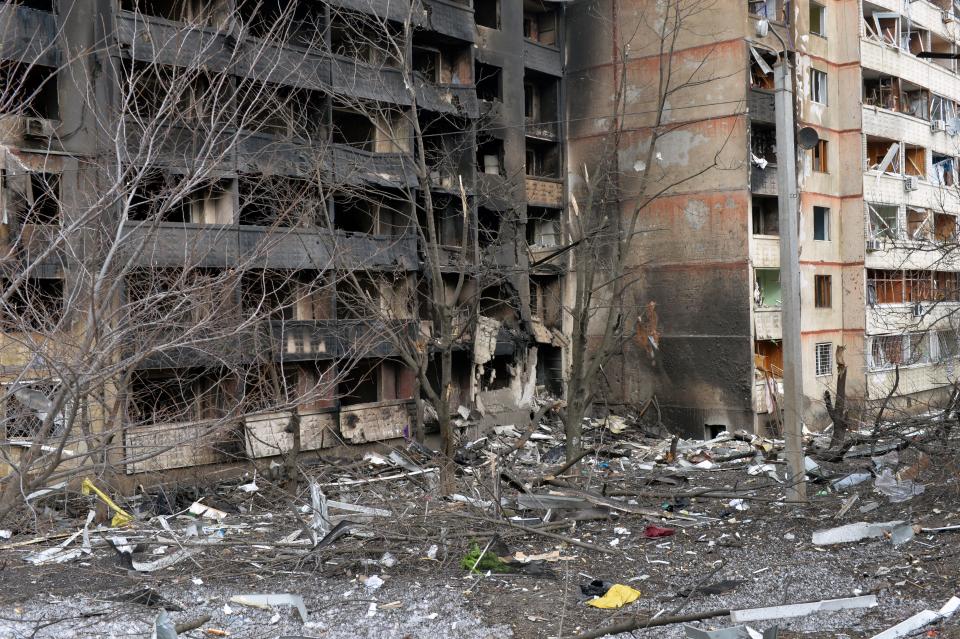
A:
(853, 532)
(802, 609)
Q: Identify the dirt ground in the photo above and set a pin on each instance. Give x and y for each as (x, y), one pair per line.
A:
(763, 555)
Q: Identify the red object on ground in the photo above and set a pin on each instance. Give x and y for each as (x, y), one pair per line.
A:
(656, 531)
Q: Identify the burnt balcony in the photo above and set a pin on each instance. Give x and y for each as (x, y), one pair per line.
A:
(761, 105)
(546, 131)
(544, 191)
(763, 181)
(542, 57)
(29, 34)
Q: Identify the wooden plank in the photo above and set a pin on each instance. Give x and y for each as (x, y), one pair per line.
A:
(266, 433)
(180, 445)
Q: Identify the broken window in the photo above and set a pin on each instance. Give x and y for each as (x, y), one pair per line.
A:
(913, 39)
(916, 102)
(489, 82)
(545, 299)
(550, 369)
(354, 215)
(823, 359)
(762, 62)
(915, 160)
(29, 90)
(945, 342)
(882, 92)
(194, 11)
(818, 86)
(822, 293)
(766, 215)
(273, 200)
(269, 294)
(918, 224)
(162, 198)
(763, 143)
(184, 395)
(821, 223)
(888, 351)
(353, 129)
(543, 227)
(884, 222)
(883, 155)
(946, 285)
(942, 109)
(371, 381)
(486, 13)
(768, 356)
(542, 159)
(944, 227)
(540, 105)
(364, 39)
(39, 5)
(488, 222)
(36, 304)
(884, 287)
(818, 19)
(774, 10)
(942, 170)
(767, 293)
(42, 205)
(882, 26)
(819, 156)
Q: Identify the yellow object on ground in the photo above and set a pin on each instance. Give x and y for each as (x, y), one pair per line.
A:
(120, 516)
(617, 597)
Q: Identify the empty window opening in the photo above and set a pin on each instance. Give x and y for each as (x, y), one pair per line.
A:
(39, 5)
(545, 299)
(823, 294)
(488, 222)
(184, 395)
(883, 155)
(884, 222)
(944, 227)
(818, 19)
(441, 61)
(882, 26)
(489, 82)
(43, 200)
(824, 359)
(818, 86)
(353, 129)
(35, 305)
(497, 373)
(763, 143)
(206, 13)
(550, 369)
(542, 159)
(540, 104)
(543, 227)
(942, 170)
(768, 356)
(762, 63)
(29, 90)
(881, 91)
(711, 431)
(486, 13)
(767, 293)
(540, 22)
(269, 295)
(821, 223)
(354, 215)
(819, 156)
(766, 215)
(279, 201)
(165, 198)
(448, 218)
(490, 155)
(371, 381)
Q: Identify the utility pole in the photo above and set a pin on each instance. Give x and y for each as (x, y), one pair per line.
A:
(789, 280)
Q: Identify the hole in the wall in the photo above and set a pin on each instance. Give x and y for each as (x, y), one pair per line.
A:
(713, 430)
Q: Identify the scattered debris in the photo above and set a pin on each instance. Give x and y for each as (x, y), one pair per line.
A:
(853, 532)
(921, 619)
(617, 596)
(120, 516)
(268, 601)
(802, 609)
(895, 489)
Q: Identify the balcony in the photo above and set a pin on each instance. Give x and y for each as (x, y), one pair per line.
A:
(451, 18)
(765, 252)
(266, 433)
(544, 191)
(767, 323)
(158, 447)
(893, 61)
(761, 105)
(373, 422)
(28, 34)
(764, 181)
(541, 130)
(543, 58)
(357, 167)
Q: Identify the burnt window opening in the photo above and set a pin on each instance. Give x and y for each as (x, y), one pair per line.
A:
(270, 295)
(35, 305)
(497, 373)
(358, 37)
(540, 22)
(426, 62)
(359, 297)
(540, 99)
(486, 13)
(763, 142)
(307, 385)
(373, 213)
(354, 215)
(361, 384)
(489, 82)
(278, 201)
(282, 111)
(353, 129)
(159, 198)
(500, 303)
(173, 95)
(543, 227)
(448, 221)
(165, 298)
(490, 155)
(461, 371)
(440, 60)
(545, 299)
(43, 200)
(550, 369)
(295, 22)
(488, 222)
(542, 159)
(766, 215)
(184, 395)
(197, 12)
(445, 148)
(29, 90)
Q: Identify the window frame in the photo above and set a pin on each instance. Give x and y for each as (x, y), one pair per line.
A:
(822, 291)
(818, 157)
(825, 211)
(819, 86)
(822, 26)
(823, 355)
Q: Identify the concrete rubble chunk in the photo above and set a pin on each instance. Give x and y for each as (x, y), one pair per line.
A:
(853, 532)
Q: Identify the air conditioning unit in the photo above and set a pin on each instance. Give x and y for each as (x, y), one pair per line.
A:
(911, 183)
(37, 128)
(874, 245)
(938, 126)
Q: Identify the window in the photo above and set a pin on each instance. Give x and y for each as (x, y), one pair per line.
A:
(820, 157)
(824, 359)
(888, 351)
(818, 86)
(884, 222)
(818, 23)
(821, 223)
(486, 13)
(822, 292)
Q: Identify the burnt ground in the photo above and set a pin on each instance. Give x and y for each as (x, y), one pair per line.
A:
(766, 549)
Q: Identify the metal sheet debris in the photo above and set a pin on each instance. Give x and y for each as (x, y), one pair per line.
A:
(734, 632)
(802, 609)
(909, 626)
(268, 601)
(853, 532)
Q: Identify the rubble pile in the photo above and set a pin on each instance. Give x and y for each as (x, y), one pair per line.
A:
(652, 536)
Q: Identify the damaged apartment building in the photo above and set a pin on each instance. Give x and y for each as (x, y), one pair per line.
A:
(876, 193)
(222, 218)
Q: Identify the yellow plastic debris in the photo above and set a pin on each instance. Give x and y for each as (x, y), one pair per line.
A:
(120, 516)
(617, 597)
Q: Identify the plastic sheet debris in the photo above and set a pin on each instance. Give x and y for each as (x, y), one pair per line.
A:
(268, 601)
(902, 534)
(199, 509)
(802, 609)
(896, 490)
(734, 632)
(850, 481)
(165, 561)
(738, 504)
(372, 583)
(163, 627)
(615, 424)
(617, 596)
(45, 491)
(120, 516)
(909, 626)
(432, 552)
(653, 532)
(59, 553)
(853, 532)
